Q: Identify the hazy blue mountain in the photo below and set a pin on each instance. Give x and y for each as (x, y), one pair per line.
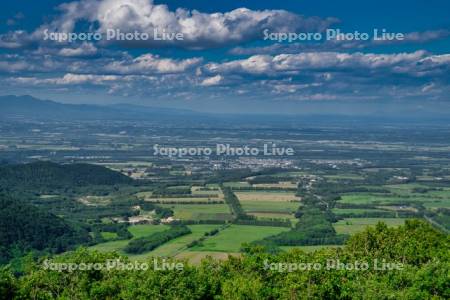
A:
(24, 108)
(28, 107)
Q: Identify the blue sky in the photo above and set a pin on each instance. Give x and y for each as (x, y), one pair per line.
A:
(222, 62)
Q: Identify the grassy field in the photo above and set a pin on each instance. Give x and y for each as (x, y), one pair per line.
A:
(431, 199)
(143, 230)
(354, 225)
(231, 238)
(437, 204)
(170, 248)
(269, 206)
(179, 187)
(267, 196)
(309, 248)
(144, 194)
(48, 196)
(364, 198)
(177, 245)
(137, 231)
(291, 174)
(95, 200)
(340, 211)
(183, 199)
(195, 190)
(344, 176)
(212, 185)
(237, 184)
(271, 215)
(404, 189)
(200, 211)
(109, 235)
(281, 184)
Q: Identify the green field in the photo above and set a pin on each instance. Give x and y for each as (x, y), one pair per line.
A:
(275, 196)
(144, 194)
(431, 199)
(437, 204)
(144, 230)
(231, 238)
(137, 231)
(404, 189)
(109, 235)
(170, 248)
(183, 199)
(364, 198)
(270, 206)
(110, 246)
(196, 191)
(200, 211)
(344, 176)
(272, 215)
(237, 184)
(354, 225)
(309, 248)
(176, 246)
(340, 211)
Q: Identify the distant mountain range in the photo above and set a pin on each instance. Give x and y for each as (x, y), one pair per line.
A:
(28, 107)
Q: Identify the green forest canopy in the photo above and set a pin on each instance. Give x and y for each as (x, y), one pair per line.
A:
(423, 251)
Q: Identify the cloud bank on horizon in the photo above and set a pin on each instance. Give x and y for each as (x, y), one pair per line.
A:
(220, 55)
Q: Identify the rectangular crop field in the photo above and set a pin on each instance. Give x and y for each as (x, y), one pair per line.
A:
(267, 196)
(200, 211)
(354, 225)
(231, 238)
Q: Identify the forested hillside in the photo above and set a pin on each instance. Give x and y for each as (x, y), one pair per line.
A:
(26, 228)
(40, 176)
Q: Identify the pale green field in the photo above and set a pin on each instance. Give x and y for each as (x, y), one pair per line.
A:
(437, 204)
(309, 248)
(271, 215)
(179, 187)
(267, 196)
(109, 235)
(175, 246)
(137, 231)
(195, 190)
(231, 238)
(110, 246)
(119, 165)
(354, 225)
(48, 196)
(200, 211)
(406, 188)
(339, 211)
(212, 185)
(344, 176)
(376, 199)
(281, 184)
(183, 199)
(292, 174)
(144, 194)
(146, 229)
(95, 200)
(270, 206)
(437, 198)
(237, 184)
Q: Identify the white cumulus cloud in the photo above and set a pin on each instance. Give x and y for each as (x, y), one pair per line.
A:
(211, 81)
